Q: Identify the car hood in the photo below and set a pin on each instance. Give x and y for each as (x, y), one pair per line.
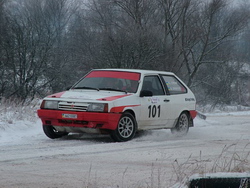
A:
(89, 95)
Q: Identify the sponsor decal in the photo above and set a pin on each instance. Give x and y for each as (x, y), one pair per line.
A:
(189, 99)
(154, 100)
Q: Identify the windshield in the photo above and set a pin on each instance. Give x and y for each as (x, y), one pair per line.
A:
(110, 80)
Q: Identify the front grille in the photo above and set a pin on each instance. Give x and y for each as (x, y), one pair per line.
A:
(73, 106)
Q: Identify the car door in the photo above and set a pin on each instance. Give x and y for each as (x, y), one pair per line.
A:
(177, 97)
(153, 108)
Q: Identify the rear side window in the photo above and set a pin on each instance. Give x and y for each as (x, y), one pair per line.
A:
(174, 86)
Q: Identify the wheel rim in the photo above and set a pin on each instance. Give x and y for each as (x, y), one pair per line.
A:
(126, 127)
(183, 123)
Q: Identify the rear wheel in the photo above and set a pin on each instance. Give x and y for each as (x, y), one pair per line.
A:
(182, 126)
(126, 128)
(52, 133)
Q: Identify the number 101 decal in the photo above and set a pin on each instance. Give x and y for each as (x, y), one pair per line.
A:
(154, 110)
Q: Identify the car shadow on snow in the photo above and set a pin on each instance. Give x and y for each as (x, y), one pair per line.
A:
(158, 135)
(140, 136)
(88, 137)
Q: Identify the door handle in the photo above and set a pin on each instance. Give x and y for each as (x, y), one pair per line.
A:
(166, 100)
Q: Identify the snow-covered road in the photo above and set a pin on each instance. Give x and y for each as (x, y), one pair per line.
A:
(153, 159)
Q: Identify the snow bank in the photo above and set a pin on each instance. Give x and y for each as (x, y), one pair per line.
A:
(21, 129)
(18, 122)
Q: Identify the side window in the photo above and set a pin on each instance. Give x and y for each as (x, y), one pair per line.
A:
(153, 84)
(174, 86)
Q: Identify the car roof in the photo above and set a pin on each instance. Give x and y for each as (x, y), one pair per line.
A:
(138, 71)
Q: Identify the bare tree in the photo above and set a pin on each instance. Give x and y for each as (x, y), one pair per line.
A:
(3, 82)
(48, 44)
(194, 30)
(174, 14)
(123, 33)
(216, 24)
(142, 42)
(58, 15)
(34, 27)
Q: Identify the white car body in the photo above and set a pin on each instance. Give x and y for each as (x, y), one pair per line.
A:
(145, 100)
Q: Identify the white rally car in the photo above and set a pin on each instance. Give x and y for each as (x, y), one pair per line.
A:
(120, 102)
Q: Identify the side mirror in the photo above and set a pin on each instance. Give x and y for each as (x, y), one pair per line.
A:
(146, 93)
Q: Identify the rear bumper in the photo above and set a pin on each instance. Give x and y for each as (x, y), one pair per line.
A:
(193, 113)
(80, 119)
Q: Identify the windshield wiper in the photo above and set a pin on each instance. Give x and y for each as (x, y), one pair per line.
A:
(112, 89)
(86, 88)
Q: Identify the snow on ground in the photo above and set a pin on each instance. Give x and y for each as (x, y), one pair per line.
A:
(152, 159)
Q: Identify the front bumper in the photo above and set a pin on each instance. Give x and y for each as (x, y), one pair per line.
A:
(80, 119)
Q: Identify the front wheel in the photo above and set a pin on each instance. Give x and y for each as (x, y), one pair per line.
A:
(182, 126)
(52, 133)
(126, 128)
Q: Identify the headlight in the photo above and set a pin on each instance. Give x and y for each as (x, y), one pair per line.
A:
(49, 105)
(97, 107)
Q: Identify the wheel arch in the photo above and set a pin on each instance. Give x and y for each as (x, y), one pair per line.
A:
(191, 122)
(128, 125)
(131, 112)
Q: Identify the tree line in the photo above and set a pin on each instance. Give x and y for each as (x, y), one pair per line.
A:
(47, 45)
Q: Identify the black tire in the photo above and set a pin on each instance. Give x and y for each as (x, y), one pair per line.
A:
(126, 128)
(52, 133)
(182, 126)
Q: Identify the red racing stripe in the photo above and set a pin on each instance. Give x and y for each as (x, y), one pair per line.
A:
(119, 109)
(56, 95)
(115, 74)
(113, 97)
